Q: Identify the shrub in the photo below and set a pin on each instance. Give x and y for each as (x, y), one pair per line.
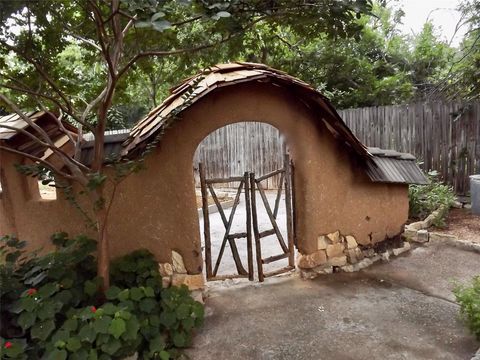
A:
(51, 307)
(469, 299)
(424, 199)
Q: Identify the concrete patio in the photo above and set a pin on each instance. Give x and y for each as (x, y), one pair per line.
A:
(403, 309)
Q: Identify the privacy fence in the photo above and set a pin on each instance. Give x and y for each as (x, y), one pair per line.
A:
(444, 136)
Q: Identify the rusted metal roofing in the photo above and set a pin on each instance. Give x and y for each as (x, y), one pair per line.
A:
(196, 87)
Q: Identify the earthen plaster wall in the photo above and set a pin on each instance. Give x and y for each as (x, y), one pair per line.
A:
(156, 208)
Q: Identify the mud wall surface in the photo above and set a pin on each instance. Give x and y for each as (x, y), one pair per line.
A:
(156, 208)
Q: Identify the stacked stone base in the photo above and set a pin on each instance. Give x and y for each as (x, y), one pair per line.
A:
(175, 274)
(336, 252)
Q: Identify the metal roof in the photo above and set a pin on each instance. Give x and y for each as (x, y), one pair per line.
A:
(112, 146)
(196, 87)
(13, 131)
(10, 124)
(390, 166)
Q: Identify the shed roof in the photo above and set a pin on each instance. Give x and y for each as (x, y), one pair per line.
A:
(13, 131)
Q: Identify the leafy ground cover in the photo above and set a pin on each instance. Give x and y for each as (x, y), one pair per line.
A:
(51, 306)
(424, 199)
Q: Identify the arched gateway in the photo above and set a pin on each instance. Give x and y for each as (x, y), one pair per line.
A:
(349, 200)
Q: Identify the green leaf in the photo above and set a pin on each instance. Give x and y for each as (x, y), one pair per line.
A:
(149, 292)
(70, 324)
(147, 305)
(142, 24)
(157, 343)
(14, 352)
(90, 288)
(48, 310)
(182, 311)
(27, 303)
(198, 310)
(48, 290)
(157, 16)
(112, 346)
(136, 293)
(117, 327)
(102, 324)
(179, 339)
(223, 14)
(188, 323)
(124, 295)
(168, 319)
(42, 330)
(26, 320)
(73, 344)
(87, 333)
(133, 326)
(61, 335)
(64, 296)
(92, 355)
(161, 25)
(109, 308)
(154, 320)
(112, 292)
(164, 355)
(57, 354)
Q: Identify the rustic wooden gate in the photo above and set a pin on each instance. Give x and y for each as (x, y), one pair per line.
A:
(248, 184)
(207, 186)
(287, 247)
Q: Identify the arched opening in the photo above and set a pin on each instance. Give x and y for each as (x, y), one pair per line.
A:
(241, 184)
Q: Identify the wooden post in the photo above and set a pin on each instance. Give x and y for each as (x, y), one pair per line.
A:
(288, 203)
(258, 249)
(249, 227)
(206, 222)
(294, 211)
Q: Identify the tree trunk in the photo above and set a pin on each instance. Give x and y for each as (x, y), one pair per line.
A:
(103, 254)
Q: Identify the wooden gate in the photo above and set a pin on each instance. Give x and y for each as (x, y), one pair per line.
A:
(207, 186)
(248, 185)
(287, 247)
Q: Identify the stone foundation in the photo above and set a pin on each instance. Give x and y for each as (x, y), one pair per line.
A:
(176, 274)
(337, 252)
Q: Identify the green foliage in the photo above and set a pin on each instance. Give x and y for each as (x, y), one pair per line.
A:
(469, 299)
(424, 199)
(52, 309)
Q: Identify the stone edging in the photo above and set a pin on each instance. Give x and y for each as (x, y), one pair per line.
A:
(212, 209)
(337, 252)
(417, 232)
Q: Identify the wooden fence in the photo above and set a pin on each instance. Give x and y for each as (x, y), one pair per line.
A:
(444, 136)
(234, 149)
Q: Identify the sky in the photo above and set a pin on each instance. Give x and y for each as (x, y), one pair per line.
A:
(441, 12)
